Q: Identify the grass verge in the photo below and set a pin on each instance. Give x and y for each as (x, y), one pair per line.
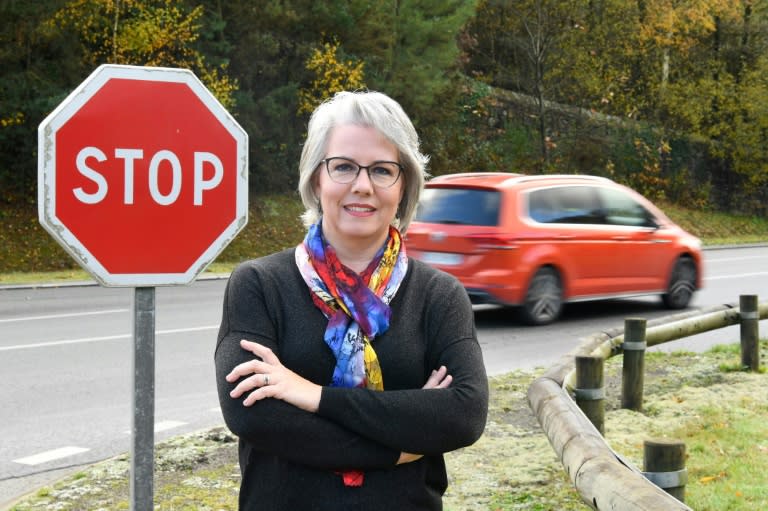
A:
(717, 411)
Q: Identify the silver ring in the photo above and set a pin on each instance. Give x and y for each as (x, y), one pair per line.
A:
(266, 380)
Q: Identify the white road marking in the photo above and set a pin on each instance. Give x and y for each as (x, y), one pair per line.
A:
(68, 315)
(103, 338)
(729, 259)
(164, 426)
(64, 452)
(739, 276)
(54, 454)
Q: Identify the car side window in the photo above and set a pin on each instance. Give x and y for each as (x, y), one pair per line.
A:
(459, 206)
(621, 209)
(566, 205)
(542, 206)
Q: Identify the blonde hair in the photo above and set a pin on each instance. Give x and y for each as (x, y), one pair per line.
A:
(371, 109)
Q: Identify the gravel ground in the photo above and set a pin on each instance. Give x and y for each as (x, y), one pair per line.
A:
(511, 467)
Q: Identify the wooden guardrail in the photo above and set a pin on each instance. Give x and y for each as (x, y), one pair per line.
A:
(602, 477)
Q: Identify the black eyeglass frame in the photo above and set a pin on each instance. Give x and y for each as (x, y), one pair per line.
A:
(367, 168)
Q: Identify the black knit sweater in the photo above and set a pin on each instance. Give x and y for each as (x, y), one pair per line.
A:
(290, 458)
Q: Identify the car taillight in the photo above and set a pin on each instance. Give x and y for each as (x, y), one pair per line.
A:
(493, 241)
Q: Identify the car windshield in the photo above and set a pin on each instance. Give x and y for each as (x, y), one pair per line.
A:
(459, 206)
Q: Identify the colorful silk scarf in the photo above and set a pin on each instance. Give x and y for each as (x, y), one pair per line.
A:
(356, 305)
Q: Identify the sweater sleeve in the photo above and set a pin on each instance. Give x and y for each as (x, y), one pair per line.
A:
(272, 426)
(432, 421)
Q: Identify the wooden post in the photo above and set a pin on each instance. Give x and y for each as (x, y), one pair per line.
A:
(633, 370)
(750, 338)
(590, 389)
(664, 466)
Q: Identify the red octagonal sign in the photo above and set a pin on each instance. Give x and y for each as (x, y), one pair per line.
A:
(142, 176)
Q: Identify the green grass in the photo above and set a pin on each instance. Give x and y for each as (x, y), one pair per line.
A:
(28, 254)
(731, 456)
(717, 228)
(718, 412)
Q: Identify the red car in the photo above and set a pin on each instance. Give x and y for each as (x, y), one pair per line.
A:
(538, 242)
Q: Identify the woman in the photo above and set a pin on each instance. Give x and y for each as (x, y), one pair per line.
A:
(345, 368)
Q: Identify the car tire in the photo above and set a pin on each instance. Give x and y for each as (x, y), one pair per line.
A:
(544, 298)
(682, 284)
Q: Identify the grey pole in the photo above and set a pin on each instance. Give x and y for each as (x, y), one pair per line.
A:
(143, 430)
(750, 332)
(633, 368)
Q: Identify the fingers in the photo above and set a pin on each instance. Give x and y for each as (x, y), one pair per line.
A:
(407, 457)
(254, 382)
(261, 351)
(439, 379)
(264, 391)
(444, 383)
(265, 377)
(435, 377)
(255, 374)
(247, 368)
(267, 356)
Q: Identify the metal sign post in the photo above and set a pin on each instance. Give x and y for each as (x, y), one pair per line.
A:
(143, 430)
(143, 179)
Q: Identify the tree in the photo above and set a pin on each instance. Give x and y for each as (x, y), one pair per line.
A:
(331, 75)
(667, 77)
(48, 47)
(144, 33)
(36, 68)
(715, 92)
(534, 31)
(407, 50)
(422, 56)
(410, 52)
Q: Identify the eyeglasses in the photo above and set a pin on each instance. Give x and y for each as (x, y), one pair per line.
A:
(381, 173)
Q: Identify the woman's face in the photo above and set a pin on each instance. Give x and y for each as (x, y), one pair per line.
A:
(359, 212)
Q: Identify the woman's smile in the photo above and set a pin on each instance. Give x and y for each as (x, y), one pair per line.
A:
(360, 209)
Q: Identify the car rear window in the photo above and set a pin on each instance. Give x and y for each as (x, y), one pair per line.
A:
(463, 206)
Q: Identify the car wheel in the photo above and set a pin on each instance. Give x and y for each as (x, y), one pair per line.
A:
(544, 299)
(682, 284)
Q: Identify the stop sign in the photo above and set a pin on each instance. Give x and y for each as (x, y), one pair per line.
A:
(142, 176)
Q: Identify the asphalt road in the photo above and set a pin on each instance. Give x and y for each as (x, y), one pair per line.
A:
(66, 360)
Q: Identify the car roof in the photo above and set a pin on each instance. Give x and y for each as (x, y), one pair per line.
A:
(509, 180)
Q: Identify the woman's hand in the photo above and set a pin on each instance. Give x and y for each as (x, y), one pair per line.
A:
(439, 379)
(269, 378)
